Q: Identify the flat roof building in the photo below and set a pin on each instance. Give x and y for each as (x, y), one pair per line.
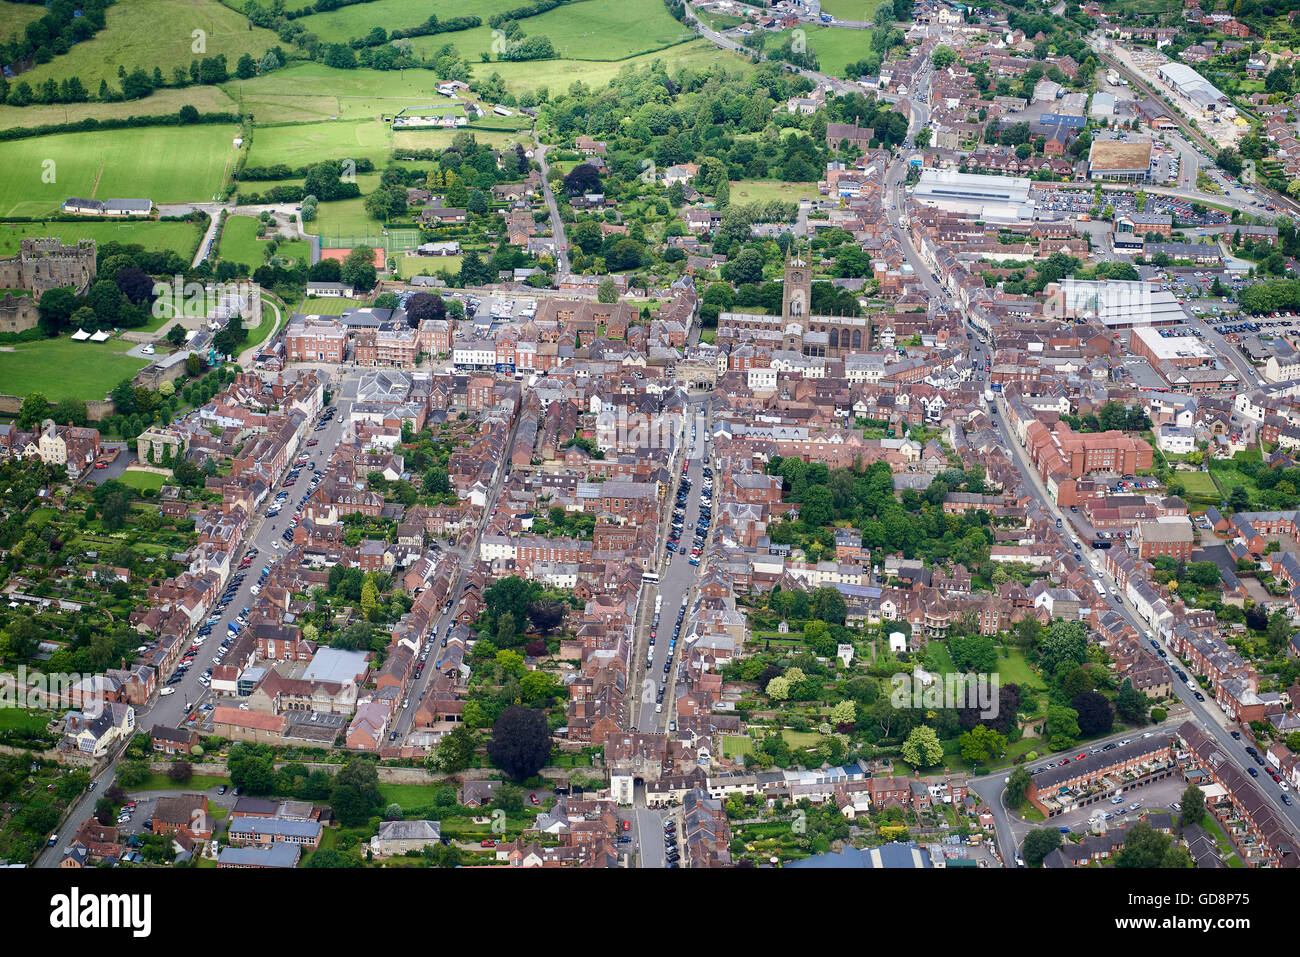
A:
(991, 198)
(1127, 159)
(1116, 303)
(1180, 349)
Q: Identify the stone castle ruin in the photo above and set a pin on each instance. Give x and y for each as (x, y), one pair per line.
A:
(41, 265)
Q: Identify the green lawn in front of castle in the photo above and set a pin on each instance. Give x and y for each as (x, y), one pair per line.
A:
(63, 369)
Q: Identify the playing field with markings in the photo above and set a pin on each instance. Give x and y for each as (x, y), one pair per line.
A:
(167, 164)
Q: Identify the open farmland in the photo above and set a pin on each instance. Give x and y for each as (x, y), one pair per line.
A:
(167, 164)
(559, 75)
(836, 47)
(161, 33)
(587, 30)
(306, 143)
(851, 9)
(205, 99)
(340, 25)
(441, 139)
(309, 91)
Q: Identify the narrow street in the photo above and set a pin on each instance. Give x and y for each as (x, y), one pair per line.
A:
(557, 226)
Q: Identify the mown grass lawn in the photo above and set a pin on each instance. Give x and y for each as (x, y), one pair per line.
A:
(63, 369)
(327, 307)
(851, 9)
(409, 796)
(767, 190)
(345, 223)
(140, 480)
(180, 238)
(1196, 483)
(18, 719)
(301, 144)
(167, 164)
(408, 266)
(735, 745)
(1015, 670)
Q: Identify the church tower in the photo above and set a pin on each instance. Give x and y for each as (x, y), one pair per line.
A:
(796, 294)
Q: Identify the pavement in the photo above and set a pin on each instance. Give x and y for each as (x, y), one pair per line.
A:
(557, 226)
(1206, 713)
(677, 579)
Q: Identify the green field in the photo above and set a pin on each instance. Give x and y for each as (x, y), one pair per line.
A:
(14, 17)
(366, 182)
(181, 238)
(408, 266)
(62, 369)
(766, 190)
(205, 99)
(441, 139)
(140, 480)
(409, 796)
(1229, 478)
(836, 47)
(239, 243)
(311, 91)
(327, 307)
(588, 30)
(1015, 670)
(851, 9)
(358, 20)
(18, 719)
(1196, 483)
(305, 143)
(344, 222)
(734, 745)
(558, 75)
(161, 33)
(164, 163)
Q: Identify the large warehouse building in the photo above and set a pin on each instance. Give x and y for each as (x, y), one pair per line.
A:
(1192, 85)
(994, 199)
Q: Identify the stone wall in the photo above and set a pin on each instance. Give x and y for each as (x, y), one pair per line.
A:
(96, 409)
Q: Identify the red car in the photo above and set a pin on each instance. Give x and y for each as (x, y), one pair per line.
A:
(627, 825)
(101, 465)
(1080, 757)
(487, 843)
(533, 797)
